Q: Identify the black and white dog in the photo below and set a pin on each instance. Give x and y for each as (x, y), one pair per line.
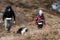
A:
(22, 30)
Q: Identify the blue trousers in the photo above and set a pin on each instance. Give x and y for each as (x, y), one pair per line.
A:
(8, 23)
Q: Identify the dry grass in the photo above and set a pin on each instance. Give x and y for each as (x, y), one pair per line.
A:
(24, 18)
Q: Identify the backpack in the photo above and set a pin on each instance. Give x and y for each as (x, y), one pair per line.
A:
(37, 13)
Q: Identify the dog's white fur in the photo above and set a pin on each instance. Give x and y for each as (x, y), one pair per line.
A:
(23, 30)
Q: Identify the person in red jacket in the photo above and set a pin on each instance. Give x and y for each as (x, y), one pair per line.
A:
(40, 18)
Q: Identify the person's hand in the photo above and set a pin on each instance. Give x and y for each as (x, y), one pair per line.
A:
(14, 22)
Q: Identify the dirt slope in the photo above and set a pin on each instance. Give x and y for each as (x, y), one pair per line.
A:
(50, 32)
(24, 18)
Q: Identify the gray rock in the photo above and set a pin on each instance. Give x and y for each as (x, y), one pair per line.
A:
(56, 6)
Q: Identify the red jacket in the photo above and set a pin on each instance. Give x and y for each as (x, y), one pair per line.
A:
(38, 18)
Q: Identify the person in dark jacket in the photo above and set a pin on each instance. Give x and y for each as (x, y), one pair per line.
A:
(7, 17)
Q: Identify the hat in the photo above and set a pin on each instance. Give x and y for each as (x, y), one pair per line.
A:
(40, 12)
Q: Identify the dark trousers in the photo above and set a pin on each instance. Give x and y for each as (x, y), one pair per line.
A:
(40, 26)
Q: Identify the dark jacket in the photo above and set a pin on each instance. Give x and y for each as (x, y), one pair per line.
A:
(8, 14)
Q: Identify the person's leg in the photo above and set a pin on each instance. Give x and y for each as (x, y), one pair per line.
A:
(6, 24)
(9, 24)
(40, 26)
